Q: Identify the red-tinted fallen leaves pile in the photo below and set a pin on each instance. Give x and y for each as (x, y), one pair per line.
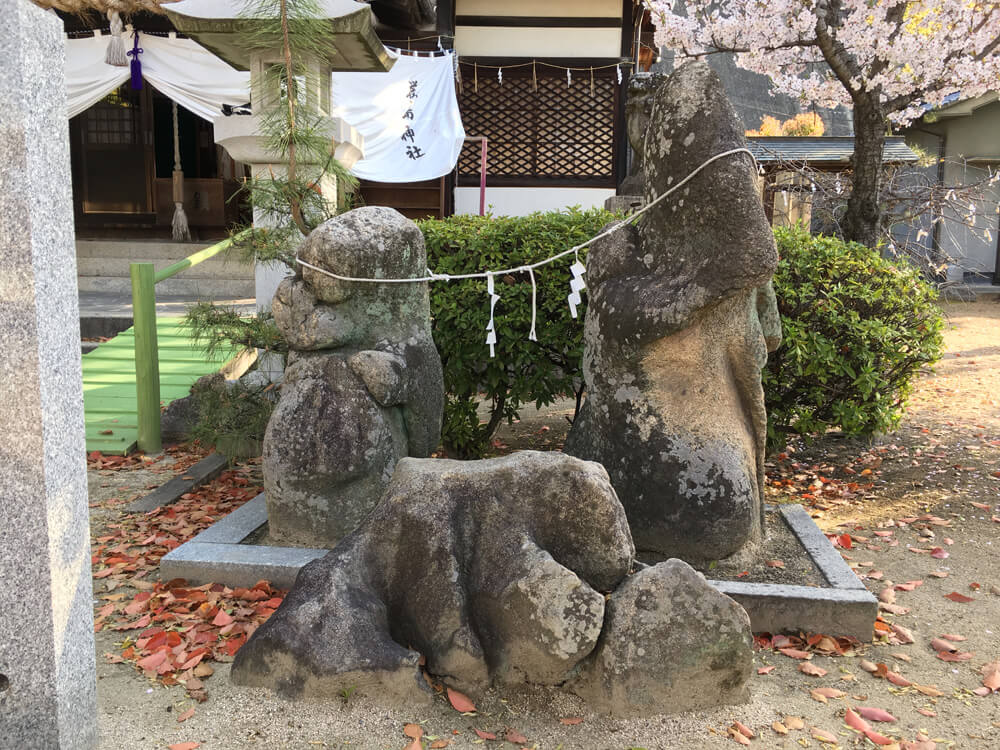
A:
(823, 485)
(181, 627)
(182, 457)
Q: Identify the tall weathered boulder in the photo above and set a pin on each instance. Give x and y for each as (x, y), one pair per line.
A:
(363, 387)
(674, 336)
(493, 571)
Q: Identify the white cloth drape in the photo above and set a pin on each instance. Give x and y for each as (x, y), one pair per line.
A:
(408, 116)
(180, 68)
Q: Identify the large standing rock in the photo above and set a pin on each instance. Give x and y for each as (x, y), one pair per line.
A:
(670, 642)
(492, 570)
(674, 341)
(363, 387)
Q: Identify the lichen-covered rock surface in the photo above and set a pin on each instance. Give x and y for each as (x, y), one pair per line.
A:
(492, 570)
(669, 640)
(675, 336)
(363, 387)
(498, 572)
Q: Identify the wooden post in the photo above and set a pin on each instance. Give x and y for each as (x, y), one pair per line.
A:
(147, 364)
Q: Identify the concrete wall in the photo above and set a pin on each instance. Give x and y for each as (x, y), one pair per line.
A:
(523, 201)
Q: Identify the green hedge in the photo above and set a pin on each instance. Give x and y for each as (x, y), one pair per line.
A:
(523, 371)
(856, 329)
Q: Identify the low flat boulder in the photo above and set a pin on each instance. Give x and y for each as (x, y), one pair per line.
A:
(671, 643)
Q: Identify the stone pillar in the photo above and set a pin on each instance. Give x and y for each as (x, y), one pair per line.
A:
(47, 666)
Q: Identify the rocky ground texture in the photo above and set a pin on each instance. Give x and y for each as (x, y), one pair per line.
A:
(916, 512)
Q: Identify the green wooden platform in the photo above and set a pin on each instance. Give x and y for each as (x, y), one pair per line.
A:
(109, 400)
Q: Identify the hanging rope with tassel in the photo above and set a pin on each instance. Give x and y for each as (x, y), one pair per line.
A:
(136, 67)
(115, 54)
(181, 232)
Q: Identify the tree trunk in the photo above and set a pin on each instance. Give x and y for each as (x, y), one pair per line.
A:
(861, 222)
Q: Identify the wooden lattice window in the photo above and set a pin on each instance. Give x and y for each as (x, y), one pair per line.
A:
(558, 134)
(113, 121)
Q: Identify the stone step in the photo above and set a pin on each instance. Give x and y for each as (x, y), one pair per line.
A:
(181, 285)
(213, 268)
(139, 250)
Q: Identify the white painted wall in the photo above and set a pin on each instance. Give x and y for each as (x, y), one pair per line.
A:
(552, 8)
(508, 41)
(523, 201)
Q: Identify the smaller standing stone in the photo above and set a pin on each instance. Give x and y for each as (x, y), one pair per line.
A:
(670, 643)
(363, 387)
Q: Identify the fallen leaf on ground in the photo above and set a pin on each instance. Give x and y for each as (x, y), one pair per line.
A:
(184, 746)
(794, 722)
(807, 667)
(875, 714)
(959, 598)
(823, 736)
(571, 720)
(414, 731)
(460, 702)
(515, 737)
(929, 690)
(743, 729)
(775, 564)
(484, 735)
(765, 670)
(954, 656)
(438, 744)
(991, 675)
(903, 635)
(795, 653)
(953, 637)
(738, 737)
(940, 644)
(186, 715)
(778, 727)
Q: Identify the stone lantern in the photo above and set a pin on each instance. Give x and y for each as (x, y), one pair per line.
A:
(221, 27)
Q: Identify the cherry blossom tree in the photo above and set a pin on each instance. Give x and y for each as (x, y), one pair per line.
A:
(886, 59)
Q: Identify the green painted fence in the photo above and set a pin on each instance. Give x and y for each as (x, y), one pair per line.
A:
(109, 382)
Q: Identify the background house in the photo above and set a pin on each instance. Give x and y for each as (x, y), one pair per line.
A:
(964, 136)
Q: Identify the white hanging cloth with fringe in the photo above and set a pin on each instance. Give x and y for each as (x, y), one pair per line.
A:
(180, 69)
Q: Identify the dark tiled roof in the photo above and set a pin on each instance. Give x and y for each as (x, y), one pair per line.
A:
(820, 151)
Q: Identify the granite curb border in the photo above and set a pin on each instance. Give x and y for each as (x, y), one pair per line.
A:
(844, 608)
(169, 492)
(217, 555)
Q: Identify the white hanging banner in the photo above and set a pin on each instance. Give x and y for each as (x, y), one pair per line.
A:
(180, 69)
(408, 116)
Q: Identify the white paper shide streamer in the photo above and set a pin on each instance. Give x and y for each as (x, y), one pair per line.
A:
(577, 270)
(491, 334)
(576, 284)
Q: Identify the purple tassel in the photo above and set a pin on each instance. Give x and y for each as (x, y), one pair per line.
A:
(136, 66)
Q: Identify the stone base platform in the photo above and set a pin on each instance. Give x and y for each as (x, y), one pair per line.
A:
(842, 608)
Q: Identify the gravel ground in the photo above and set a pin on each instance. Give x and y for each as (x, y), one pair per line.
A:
(941, 459)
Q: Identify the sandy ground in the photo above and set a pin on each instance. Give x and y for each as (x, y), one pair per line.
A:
(940, 460)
